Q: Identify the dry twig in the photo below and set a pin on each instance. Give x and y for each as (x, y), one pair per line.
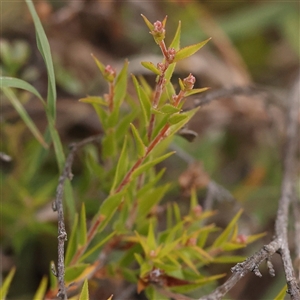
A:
(58, 206)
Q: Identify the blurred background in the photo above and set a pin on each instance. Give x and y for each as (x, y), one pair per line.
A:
(240, 138)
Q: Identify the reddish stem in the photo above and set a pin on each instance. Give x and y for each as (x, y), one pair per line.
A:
(111, 97)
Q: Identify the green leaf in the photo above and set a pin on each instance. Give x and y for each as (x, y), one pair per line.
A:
(100, 65)
(149, 200)
(225, 235)
(148, 23)
(189, 50)
(72, 242)
(40, 293)
(24, 115)
(144, 101)
(73, 272)
(224, 259)
(254, 237)
(109, 207)
(151, 241)
(44, 48)
(176, 118)
(141, 148)
(151, 67)
(174, 128)
(97, 246)
(58, 149)
(82, 238)
(94, 100)
(150, 164)
(124, 124)
(11, 82)
(120, 86)
(109, 144)
(195, 91)
(282, 293)
(121, 166)
(7, 282)
(169, 109)
(84, 295)
(176, 40)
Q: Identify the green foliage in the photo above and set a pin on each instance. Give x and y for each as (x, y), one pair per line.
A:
(137, 130)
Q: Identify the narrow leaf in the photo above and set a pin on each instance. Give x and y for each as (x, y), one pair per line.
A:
(97, 247)
(150, 164)
(176, 40)
(24, 115)
(121, 166)
(176, 118)
(189, 50)
(169, 109)
(151, 241)
(84, 295)
(145, 104)
(282, 293)
(99, 64)
(225, 235)
(73, 273)
(151, 67)
(121, 86)
(40, 293)
(94, 100)
(195, 91)
(44, 48)
(82, 238)
(148, 23)
(11, 82)
(141, 149)
(7, 282)
(72, 242)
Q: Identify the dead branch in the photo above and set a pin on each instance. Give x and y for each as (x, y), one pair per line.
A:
(58, 206)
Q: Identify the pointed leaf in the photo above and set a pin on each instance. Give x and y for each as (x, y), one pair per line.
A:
(169, 109)
(151, 67)
(148, 23)
(40, 293)
(141, 149)
(225, 235)
(121, 166)
(24, 115)
(44, 48)
(72, 242)
(84, 295)
(7, 282)
(120, 86)
(143, 98)
(189, 50)
(97, 246)
(151, 241)
(82, 238)
(176, 40)
(281, 295)
(195, 91)
(11, 82)
(150, 164)
(94, 100)
(100, 65)
(73, 273)
(176, 118)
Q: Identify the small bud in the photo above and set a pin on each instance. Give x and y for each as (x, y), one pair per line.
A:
(109, 73)
(152, 254)
(171, 54)
(158, 31)
(189, 82)
(241, 239)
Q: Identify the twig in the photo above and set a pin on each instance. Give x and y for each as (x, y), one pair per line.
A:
(58, 206)
(280, 241)
(251, 90)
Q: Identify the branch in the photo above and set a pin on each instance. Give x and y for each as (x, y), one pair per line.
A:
(58, 206)
(280, 241)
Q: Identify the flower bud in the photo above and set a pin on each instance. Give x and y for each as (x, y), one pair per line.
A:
(158, 31)
(189, 82)
(109, 73)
